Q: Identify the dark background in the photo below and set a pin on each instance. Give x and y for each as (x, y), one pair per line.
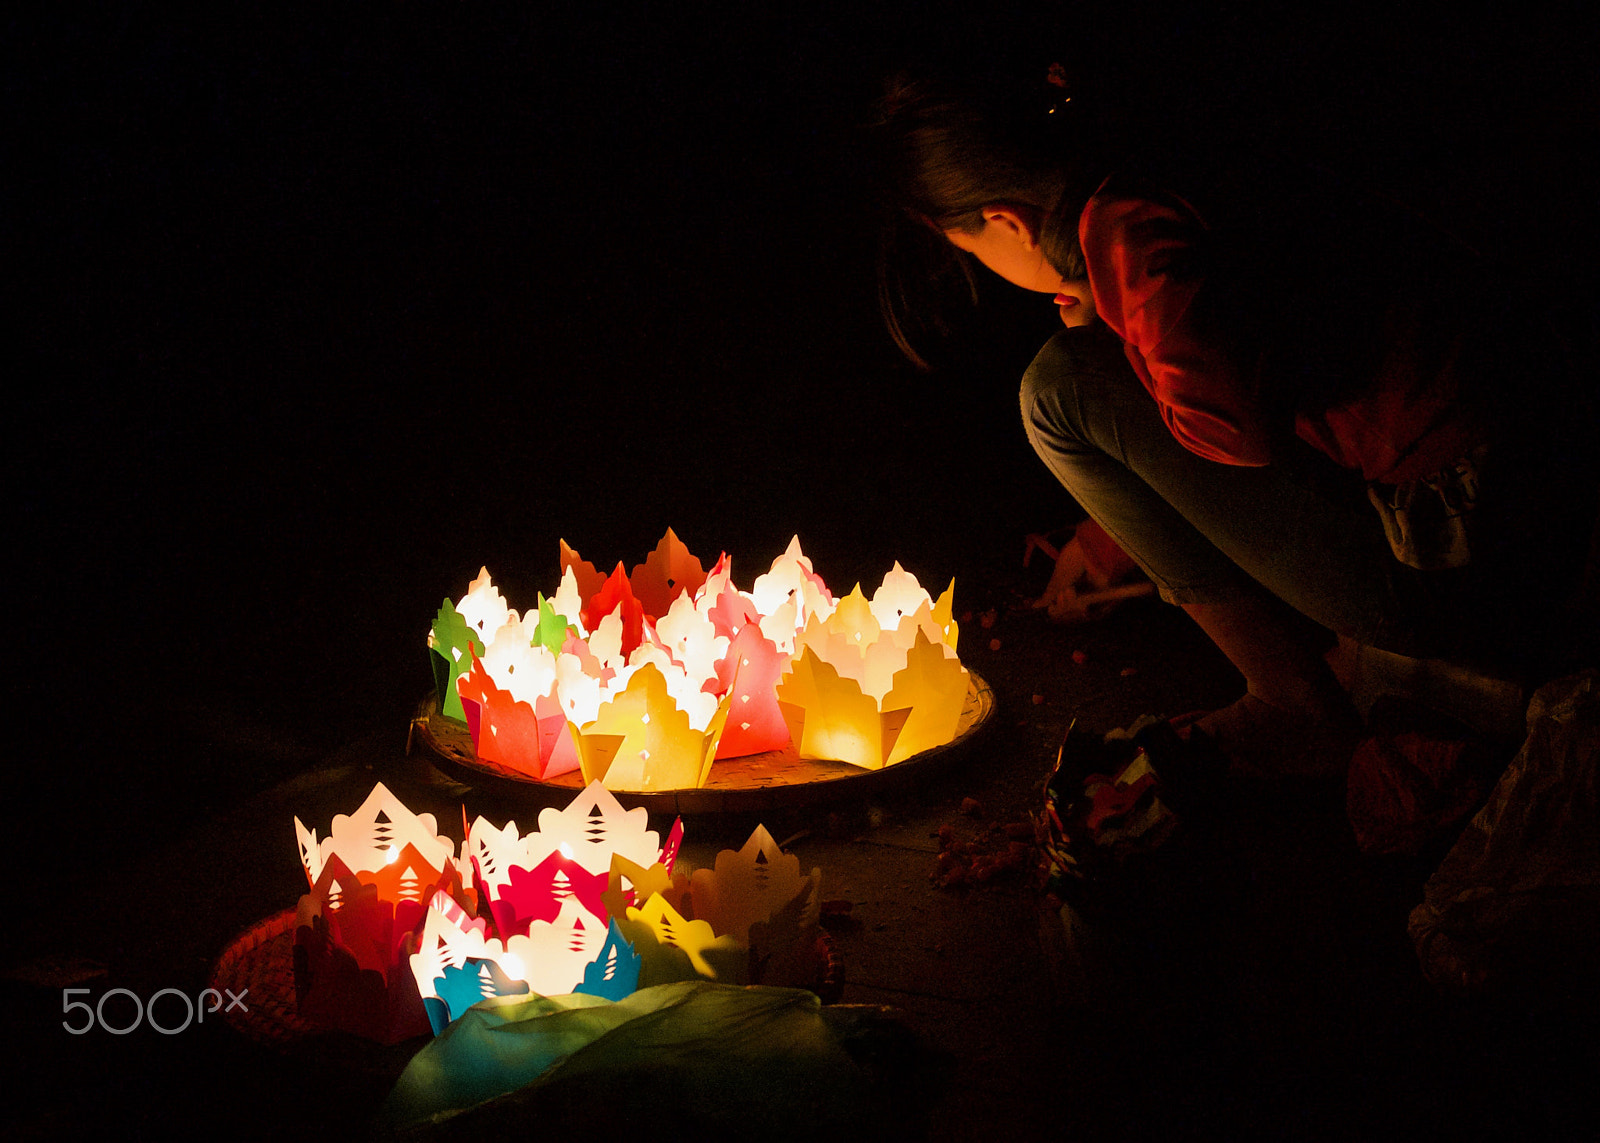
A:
(315, 312)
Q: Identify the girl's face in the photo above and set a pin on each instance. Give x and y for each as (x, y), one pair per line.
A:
(1008, 245)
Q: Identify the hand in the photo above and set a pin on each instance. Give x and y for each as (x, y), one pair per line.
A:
(1077, 592)
(1060, 596)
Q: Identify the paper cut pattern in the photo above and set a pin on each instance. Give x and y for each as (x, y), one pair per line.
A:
(933, 687)
(458, 965)
(483, 607)
(550, 631)
(595, 825)
(370, 881)
(792, 581)
(525, 737)
(459, 987)
(751, 884)
(641, 740)
(587, 579)
(594, 864)
(528, 878)
(751, 919)
(544, 925)
(830, 717)
(451, 645)
(616, 597)
(370, 839)
(631, 885)
(642, 680)
(876, 683)
(538, 894)
(391, 942)
(546, 891)
(614, 972)
(672, 947)
(748, 675)
(667, 573)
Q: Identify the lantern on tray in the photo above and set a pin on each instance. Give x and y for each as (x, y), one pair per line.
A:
(875, 683)
(643, 679)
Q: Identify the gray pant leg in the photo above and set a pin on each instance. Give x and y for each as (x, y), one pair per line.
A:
(1202, 530)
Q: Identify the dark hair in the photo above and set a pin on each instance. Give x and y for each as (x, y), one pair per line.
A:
(946, 148)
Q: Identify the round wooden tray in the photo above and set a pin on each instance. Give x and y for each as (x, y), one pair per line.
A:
(777, 779)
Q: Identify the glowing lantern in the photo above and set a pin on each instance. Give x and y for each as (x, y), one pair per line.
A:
(524, 879)
(523, 726)
(600, 900)
(590, 903)
(642, 740)
(371, 881)
(754, 920)
(667, 573)
(748, 675)
(875, 683)
(691, 639)
(642, 680)
(791, 581)
(547, 893)
(459, 964)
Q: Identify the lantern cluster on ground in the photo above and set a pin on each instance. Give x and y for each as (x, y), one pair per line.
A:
(398, 933)
(643, 680)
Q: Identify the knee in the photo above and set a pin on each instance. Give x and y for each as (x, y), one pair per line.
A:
(1079, 388)
(1041, 385)
(1055, 386)
(1050, 368)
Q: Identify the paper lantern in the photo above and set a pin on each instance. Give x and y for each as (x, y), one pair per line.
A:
(751, 919)
(643, 679)
(545, 893)
(875, 683)
(524, 735)
(459, 964)
(460, 629)
(594, 869)
(642, 740)
(451, 645)
(750, 885)
(524, 879)
(371, 882)
(391, 942)
(791, 581)
(748, 674)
